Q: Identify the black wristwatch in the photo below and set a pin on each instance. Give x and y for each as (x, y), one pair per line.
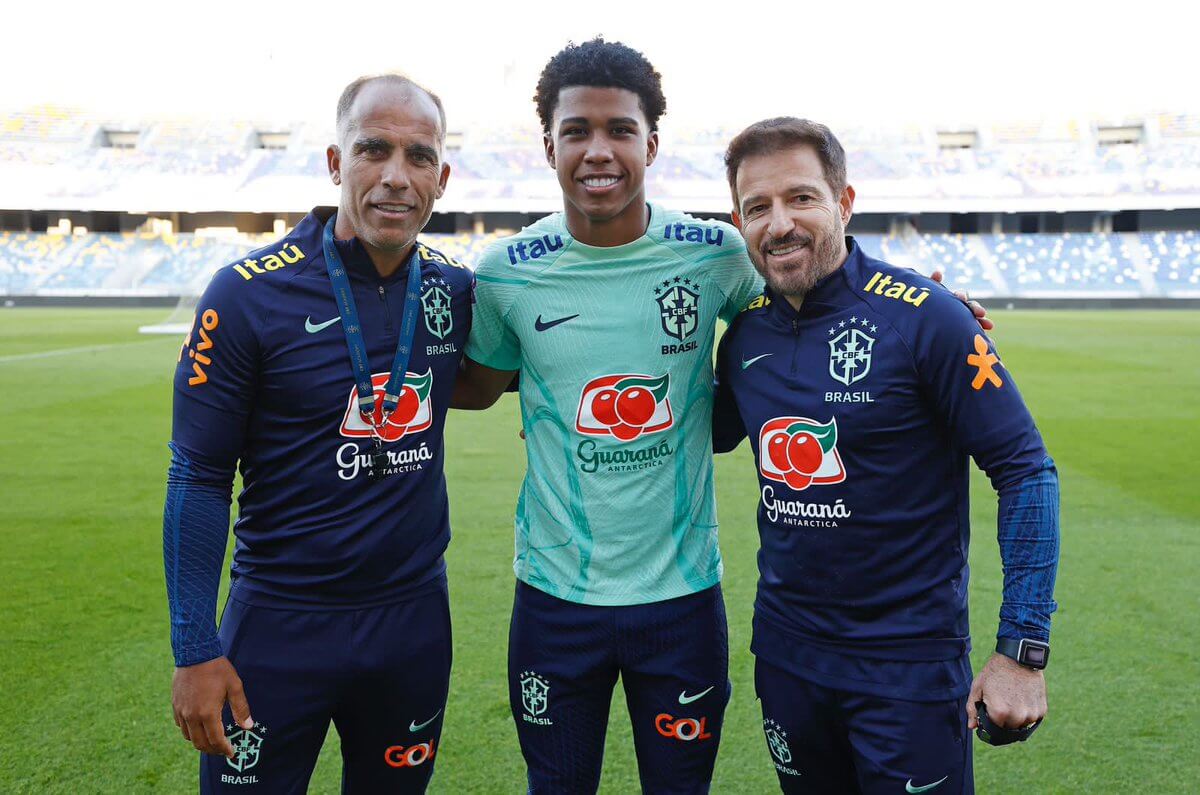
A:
(1030, 653)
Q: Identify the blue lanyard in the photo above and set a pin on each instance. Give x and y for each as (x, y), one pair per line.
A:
(359, 362)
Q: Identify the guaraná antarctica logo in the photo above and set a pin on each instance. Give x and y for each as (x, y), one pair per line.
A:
(800, 452)
(413, 411)
(625, 406)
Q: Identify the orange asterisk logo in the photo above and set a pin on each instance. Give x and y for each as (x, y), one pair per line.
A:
(986, 361)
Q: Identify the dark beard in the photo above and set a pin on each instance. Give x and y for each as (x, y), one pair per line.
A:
(797, 283)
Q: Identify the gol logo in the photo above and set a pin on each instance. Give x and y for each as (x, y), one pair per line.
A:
(685, 729)
(408, 756)
(800, 452)
(624, 406)
(413, 413)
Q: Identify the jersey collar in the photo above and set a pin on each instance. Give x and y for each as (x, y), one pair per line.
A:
(356, 259)
(830, 294)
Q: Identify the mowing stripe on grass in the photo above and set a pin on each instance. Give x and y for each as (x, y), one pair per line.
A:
(24, 357)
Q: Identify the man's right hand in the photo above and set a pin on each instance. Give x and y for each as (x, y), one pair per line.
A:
(198, 694)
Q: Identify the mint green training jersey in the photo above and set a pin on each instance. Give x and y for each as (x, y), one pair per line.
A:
(614, 346)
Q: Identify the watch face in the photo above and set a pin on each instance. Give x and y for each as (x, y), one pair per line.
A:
(1035, 655)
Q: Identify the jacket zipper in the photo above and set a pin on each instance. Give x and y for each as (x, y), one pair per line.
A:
(795, 345)
(387, 316)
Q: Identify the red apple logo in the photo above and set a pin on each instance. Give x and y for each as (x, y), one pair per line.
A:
(413, 410)
(800, 452)
(625, 406)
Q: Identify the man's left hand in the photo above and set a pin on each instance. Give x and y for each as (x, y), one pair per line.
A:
(1015, 695)
(976, 308)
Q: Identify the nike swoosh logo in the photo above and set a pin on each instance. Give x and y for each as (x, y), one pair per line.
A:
(908, 786)
(684, 698)
(413, 726)
(747, 362)
(313, 328)
(542, 326)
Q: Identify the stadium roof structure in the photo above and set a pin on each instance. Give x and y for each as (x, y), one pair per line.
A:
(54, 159)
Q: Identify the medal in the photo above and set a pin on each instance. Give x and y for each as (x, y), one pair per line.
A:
(359, 363)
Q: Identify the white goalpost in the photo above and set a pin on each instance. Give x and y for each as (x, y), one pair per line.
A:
(179, 321)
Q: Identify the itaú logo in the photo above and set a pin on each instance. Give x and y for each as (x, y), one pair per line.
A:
(408, 756)
(624, 406)
(685, 729)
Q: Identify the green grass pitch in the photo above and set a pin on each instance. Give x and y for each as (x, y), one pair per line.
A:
(84, 660)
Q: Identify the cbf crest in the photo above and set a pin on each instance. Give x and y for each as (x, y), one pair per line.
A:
(435, 305)
(678, 307)
(777, 741)
(247, 746)
(850, 351)
(535, 693)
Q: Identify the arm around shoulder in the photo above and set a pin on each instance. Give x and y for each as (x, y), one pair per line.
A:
(478, 386)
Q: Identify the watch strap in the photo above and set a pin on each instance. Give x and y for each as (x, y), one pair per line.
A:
(1030, 653)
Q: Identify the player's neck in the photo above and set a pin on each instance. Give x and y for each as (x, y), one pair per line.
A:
(625, 227)
(797, 299)
(387, 262)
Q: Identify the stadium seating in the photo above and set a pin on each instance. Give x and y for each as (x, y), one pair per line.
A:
(52, 157)
(61, 154)
(1035, 265)
(1064, 264)
(1173, 258)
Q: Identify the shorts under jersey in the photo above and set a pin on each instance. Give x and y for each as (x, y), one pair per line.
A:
(614, 347)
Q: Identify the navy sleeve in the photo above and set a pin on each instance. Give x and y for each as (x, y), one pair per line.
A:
(975, 393)
(195, 528)
(1029, 544)
(214, 384)
(728, 429)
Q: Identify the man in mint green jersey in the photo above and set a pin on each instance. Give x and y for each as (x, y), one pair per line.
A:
(608, 310)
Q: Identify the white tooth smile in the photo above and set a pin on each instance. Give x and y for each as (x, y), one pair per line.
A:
(783, 252)
(600, 182)
(393, 208)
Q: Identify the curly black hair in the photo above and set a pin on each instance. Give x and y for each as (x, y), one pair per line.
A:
(604, 64)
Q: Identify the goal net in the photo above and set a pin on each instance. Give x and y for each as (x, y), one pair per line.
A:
(179, 322)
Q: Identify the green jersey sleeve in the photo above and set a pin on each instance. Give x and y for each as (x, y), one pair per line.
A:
(739, 281)
(493, 342)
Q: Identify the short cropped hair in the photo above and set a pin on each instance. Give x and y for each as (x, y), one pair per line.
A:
(603, 64)
(350, 93)
(784, 132)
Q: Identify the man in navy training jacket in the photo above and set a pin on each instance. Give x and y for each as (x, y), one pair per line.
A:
(865, 389)
(338, 604)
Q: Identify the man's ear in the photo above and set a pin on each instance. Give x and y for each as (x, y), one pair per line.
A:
(737, 220)
(445, 176)
(333, 159)
(651, 148)
(548, 144)
(846, 204)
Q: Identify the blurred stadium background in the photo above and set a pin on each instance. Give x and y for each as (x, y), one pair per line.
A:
(113, 217)
(128, 210)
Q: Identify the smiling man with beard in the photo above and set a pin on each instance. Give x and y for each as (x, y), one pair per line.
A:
(865, 389)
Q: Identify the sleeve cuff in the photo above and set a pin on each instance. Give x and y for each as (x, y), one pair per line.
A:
(1014, 631)
(198, 653)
